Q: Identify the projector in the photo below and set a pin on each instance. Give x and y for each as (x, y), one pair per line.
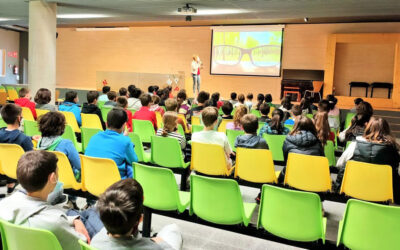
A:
(187, 10)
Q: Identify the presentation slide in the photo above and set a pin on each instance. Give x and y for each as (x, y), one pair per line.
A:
(243, 50)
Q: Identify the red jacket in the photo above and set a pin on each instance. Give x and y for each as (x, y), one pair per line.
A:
(129, 122)
(145, 114)
(25, 102)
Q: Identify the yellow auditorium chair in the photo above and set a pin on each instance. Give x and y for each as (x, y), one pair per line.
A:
(12, 94)
(65, 173)
(255, 165)
(40, 112)
(9, 157)
(98, 174)
(71, 120)
(27, 114)
(182, 116)
(222, 125)
(366, 181)
(209, 159)
(271, 110)
(308, 172)
(91, 121)
(159, 120)
(196, 120)
(3, 97)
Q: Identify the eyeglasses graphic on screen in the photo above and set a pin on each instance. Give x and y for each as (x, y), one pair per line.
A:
(260, 56)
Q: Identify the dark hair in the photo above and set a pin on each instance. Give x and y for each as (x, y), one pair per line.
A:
(233, 96)
(214, 99)
(182, 95)
(332, 101)
(123, 91)
(150, 89)
(260, 100)
(296, 110)
(121, 206)
(250, 96)
(122, 101)
(227, 108)
(323, 106)
(111, 95)
(286, 102)
(23, 92)
(303, 123)
(91, 96)
(52, 124)
(305, 103)
(34, 168)
(70, 96)
(136, 92)
(116, 118)
(10, 113)
(276, 121)
(131, 89)
(203, 97)
(165, 94)
(264, 108)
(364, 113)
(209, 115)
(249, 123)
(145, 99)
(241, 98)
(357, 101)
(156, 88)
(171, 104)
(106, 89)
(43, 96)
(268, 98)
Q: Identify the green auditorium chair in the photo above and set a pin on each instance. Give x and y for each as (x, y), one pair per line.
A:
(232, 134)
(70, 135)
(139, 150)
(275, 144)
(144, 129)
(87, 134)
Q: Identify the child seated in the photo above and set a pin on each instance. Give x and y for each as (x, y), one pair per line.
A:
(70, 105)
(155, 107)
(24, 101)
(275, 125)
(209, 135)
(227, 108)
(103, 97)
(295, 111)
(37, 174)
(112, 99)
(42, 100)
(170, 120)
(122, 102)
(91, 106)
(264, 110)
(112, 144)
(249, 102)
(239, 113)
(144, 113)
(171, 105)
(250, 139)
(121, 208)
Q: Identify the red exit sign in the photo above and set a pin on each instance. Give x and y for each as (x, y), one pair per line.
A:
(12, 54)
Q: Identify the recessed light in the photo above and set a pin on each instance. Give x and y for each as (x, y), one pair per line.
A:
(81, 16)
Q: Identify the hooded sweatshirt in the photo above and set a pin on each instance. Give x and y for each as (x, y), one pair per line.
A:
(21, 209)
(251, 141)
(16, 137)
(72, 107)
(25, 102)
(93, 109)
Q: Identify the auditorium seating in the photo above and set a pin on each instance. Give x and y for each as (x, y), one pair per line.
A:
(40, 112)
(31, 128)
(65, 173)
(71, 120)
(141, 154)
(27, 114)
(91, 121)
(9, 156)
(222, 125)
(201, 155)
(275, 144)
(85, 246)
(70, 135)
(86, 135)
(232, 134)
(144, 129)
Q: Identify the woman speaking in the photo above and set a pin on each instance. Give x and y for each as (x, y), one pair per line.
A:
(196, 66)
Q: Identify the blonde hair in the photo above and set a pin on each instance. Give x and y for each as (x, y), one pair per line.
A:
(322, 126)
(170, 122)
(241, 110)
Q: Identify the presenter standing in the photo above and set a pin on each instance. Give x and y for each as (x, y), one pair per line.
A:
(196, 66)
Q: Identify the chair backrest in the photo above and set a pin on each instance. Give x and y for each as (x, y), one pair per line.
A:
(3, 124)
(104, 111)
(256, 112)
(366, 181)
(329, 151)
(182, 116)
(349, 117)
(9, 157)
(71, 120)
(196, 120)
(27, 114)
(222, 125)
(159, 187)
(40, 112)
(98, 174)
(255, 165)
(317, 85)
(139, 150)
(367, 225)
(91, 121)
(3, 97)
(166, 152)
(216, 200)
(275, 144)
(144, 129)
(271, 110)
(65, 173)
(197, 128)
(31, 128)
(85, 246)
(12, 94)
(291, 214)
(307, 172)
(232, 134)
(87, 134)
(15, 237)
(100, 104)
(159, 120)
(70, 135)
(181, 130)
(208, 159)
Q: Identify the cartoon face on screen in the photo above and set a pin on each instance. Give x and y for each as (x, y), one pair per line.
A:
(246, 53)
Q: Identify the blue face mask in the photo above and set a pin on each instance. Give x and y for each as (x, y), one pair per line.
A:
(57, 194)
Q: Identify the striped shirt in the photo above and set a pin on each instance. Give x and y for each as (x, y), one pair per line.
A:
(181, 139)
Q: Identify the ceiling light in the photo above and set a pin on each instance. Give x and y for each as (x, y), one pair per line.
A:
(219, 11)
(4, 19)
(81, 16)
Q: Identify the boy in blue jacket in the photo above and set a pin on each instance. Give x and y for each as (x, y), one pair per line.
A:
(70, 105)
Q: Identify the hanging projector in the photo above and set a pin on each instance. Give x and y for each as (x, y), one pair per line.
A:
(187, 10)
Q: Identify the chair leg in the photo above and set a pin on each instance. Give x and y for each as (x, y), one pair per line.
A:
(146, 222)
(350, 91)
(184, 177)
(388, 93)
(366, 92)
(372, 91)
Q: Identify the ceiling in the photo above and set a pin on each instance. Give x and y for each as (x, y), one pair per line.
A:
(164, 12)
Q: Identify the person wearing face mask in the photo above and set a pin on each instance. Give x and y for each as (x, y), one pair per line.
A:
(38, 175)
